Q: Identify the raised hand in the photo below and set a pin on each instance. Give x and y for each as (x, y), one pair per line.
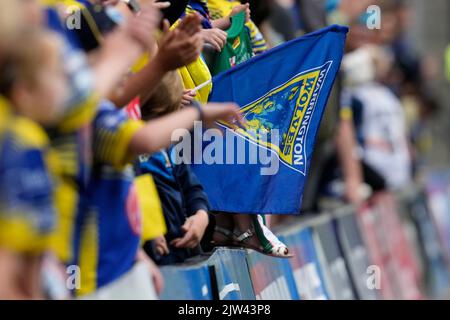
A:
(181, 46)
(142, 27)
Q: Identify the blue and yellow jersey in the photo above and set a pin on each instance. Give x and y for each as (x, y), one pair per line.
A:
(27, 215)
(97, 231)
(72, 167)
(222, 8)
(71, 146)
(79, 107)
(54, 21)
(71, 140)
(109, 224)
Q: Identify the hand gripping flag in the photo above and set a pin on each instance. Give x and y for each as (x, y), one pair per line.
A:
(283, 94)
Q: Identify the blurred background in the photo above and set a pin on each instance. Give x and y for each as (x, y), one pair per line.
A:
(430, 31)
(425, 27)
(409, 43)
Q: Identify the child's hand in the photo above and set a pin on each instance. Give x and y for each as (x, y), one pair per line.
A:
(194, 229)
(180, 46)
(161, 246)
(228, 112)
(188, 97)
(215, 37)
(239, 8)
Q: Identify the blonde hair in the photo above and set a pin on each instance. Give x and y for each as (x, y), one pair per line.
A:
(166, 97)
(24, 60)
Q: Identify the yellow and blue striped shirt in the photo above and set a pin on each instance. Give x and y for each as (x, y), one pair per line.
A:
(27, 215)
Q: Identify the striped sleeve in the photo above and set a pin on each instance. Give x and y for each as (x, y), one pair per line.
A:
(113, 131)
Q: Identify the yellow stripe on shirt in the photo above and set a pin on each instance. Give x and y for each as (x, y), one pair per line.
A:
(114, 147)
(153, 223)
(88, 256)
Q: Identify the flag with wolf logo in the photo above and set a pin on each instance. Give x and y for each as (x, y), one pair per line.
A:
(262, 168)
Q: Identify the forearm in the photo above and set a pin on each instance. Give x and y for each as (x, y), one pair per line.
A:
(157, 134)
(141, 84)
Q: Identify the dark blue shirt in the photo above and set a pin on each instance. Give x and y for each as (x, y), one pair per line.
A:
(181, 196)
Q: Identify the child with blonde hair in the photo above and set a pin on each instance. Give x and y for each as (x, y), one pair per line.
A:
(33, 85)
(184, 202)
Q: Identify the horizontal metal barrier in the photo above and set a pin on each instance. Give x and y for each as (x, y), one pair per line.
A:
(395, 247)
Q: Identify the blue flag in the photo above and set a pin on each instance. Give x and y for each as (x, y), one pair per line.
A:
(282, 94)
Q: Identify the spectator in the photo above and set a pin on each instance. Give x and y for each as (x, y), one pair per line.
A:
(111, 175)
(185, 205)
(379, 124)
(32, 81)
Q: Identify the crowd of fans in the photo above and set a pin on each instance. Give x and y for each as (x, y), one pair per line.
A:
(92, 90)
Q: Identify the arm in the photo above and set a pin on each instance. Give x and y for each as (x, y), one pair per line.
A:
(112, 54)
(123, 47)
(350, 164)
(157, 134)
(177, 48)
(137, 84)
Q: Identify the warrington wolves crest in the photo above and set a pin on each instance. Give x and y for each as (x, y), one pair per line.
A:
(289, 109)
